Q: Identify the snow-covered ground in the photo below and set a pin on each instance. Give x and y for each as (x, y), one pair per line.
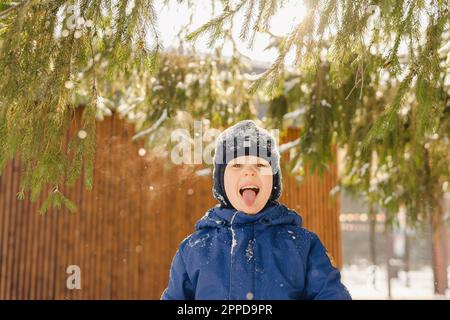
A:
(359, 281)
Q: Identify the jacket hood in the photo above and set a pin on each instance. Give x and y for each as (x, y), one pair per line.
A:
(275, 214)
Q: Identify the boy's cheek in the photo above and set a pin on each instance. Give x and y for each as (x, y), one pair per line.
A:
(266, 171)
(266, 192)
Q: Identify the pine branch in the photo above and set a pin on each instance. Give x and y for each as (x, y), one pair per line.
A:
(5, 12)
(214, 26)
(161, 119)
(248, 18)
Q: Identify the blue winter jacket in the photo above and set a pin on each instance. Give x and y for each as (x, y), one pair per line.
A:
(236, 256)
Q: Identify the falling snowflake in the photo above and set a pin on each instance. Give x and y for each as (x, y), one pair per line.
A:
(82, 134)
(325, 103)
(69, 84)
(142, 152)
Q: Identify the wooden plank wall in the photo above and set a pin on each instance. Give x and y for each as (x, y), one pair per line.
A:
(127, 229)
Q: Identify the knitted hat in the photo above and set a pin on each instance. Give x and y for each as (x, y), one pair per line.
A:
(242, 139)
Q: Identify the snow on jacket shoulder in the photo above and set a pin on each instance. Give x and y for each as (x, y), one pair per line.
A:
(236, 256)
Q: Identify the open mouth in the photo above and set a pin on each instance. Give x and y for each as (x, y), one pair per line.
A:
(254, 188)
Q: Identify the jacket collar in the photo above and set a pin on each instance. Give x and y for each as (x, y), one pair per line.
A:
(274, 214)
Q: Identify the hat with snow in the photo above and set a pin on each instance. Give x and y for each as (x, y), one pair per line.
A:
(242, 139)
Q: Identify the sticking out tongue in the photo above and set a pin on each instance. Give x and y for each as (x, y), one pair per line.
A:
(249, 197)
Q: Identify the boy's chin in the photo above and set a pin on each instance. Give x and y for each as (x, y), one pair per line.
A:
(254, 209)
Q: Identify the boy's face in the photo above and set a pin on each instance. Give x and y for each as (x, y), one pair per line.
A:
(248, 183)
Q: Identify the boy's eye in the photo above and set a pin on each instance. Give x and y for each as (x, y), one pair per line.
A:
(259, 165)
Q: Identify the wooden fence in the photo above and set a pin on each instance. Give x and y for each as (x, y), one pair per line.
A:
(127, 229)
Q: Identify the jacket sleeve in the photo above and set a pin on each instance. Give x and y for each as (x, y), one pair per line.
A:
(179, 286)
(323, 280)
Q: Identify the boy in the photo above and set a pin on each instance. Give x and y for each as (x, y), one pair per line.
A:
(250, 246)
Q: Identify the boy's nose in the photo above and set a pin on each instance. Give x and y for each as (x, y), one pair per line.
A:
(249, 171)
